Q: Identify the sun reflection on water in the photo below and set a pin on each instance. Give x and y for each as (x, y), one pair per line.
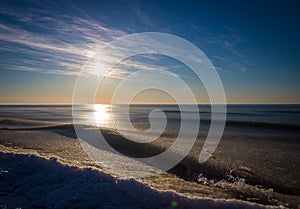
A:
(101, 114)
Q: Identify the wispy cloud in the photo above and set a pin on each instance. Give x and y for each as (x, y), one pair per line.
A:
(232, 57)
(50, 42)
(224, 48)
(55, 41)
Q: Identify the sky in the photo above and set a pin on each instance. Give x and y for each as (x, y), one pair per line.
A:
(253, 45)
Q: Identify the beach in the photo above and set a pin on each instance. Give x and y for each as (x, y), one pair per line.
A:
(43, 163)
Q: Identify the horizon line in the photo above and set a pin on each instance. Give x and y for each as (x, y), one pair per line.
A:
(1, 104)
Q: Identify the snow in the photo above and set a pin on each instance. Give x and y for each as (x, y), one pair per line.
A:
(30, 181)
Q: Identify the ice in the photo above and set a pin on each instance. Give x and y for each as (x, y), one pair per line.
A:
(30, 181)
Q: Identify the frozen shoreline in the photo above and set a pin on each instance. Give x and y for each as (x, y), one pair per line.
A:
(246, 173)
(30, 181)
(211, 181)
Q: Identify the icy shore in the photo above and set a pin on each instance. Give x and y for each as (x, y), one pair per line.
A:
(30, 181)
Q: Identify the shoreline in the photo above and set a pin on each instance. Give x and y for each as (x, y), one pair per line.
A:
(42, 174)
(60, 144)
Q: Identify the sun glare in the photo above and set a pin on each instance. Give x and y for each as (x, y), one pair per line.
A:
(101, 114)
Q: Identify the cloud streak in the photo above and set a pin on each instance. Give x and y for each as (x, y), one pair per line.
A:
(49, 42)
(53, 41)
(233, 59)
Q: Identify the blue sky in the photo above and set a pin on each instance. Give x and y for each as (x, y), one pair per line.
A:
(253, 44)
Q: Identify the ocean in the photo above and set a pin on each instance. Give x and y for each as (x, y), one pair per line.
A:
(256, 161)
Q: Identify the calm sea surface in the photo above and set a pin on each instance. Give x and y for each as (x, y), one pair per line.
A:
(276, 114)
